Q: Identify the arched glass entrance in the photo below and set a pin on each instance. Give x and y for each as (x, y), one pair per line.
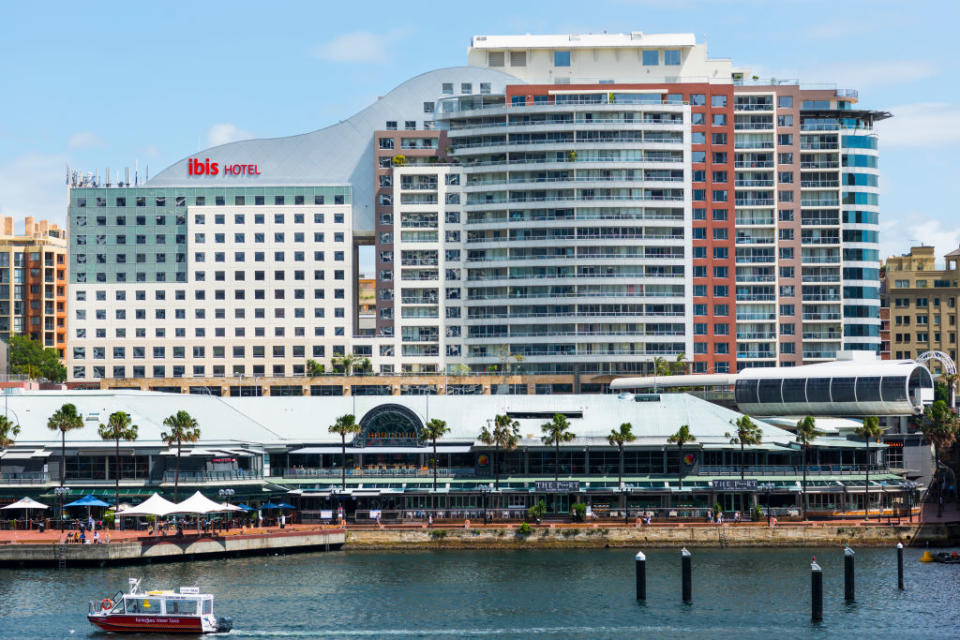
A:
(389, 425)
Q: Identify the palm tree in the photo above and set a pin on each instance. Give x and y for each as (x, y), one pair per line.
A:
(8, 431)
(434, 430)
(118, 428)
(661, 367)
(747, 433)
(555, 432)
(183, 428)
(939, 427)
(806, 433)
(64, 419)
(680, 365)
(680, 438)
(618, 438)
(345, 424)
(870, 430)
(504, 435)
(952, 380)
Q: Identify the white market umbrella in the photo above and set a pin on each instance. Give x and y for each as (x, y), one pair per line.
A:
(155, 505)
(27, 504)
(199, 504)
(226, 506)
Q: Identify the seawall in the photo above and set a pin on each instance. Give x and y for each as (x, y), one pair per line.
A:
(144, 550)
(690, 535)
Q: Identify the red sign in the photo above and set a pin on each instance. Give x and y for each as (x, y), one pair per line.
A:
(196, 167)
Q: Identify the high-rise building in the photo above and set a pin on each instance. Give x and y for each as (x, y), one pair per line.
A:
(33, 282)
(920, 301)
(584, 204)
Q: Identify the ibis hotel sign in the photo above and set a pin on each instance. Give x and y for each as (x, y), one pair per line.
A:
(198, 167)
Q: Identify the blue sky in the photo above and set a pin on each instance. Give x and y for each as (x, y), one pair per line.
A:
(97, 85)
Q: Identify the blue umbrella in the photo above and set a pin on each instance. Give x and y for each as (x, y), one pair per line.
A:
(245, 507)
(270, 505)
(87, 501)
(284, 505)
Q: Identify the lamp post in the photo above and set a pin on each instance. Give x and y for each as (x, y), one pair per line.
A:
(60, 492)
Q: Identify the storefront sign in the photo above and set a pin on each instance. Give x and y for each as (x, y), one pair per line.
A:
(196, 167)
(557, 487)
(735, 485)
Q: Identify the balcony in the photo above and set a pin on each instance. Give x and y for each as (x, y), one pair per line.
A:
(821, 315)
(755, 355)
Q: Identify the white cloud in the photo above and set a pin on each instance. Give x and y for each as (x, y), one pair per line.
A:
(33, 184)
(922, 124)
(148, 150)
(225, 132)
(898, 234)
(359, 46)
(86, 140)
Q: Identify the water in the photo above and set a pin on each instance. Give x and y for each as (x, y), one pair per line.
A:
(545, 595)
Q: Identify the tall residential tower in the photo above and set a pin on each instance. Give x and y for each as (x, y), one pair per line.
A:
(581, 204)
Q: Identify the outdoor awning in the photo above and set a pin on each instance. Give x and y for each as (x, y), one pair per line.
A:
(380, 450)
(25, 503)
(25, 455)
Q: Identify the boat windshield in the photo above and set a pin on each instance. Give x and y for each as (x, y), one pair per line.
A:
(142, 605)
(207, 606)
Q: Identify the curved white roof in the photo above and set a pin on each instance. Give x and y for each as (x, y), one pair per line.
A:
(342, 153)
(859, 368)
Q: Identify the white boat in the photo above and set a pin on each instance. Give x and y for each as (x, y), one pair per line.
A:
(184, 610)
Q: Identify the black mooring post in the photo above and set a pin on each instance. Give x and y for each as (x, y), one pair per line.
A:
(816, 592)
(641, 562)
(848, 575)
(900, 566)
(687, 576)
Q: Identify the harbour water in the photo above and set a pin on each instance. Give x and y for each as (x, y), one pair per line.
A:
(752, 593)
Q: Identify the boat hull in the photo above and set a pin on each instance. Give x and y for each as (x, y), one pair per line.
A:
(150, 624)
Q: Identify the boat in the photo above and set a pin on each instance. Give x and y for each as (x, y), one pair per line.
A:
(184, 610)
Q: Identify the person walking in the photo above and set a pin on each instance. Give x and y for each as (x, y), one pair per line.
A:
(283, 520)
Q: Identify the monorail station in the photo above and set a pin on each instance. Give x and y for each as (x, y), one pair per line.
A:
(263, 447)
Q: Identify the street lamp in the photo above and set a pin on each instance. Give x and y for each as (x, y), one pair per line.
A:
(61, 492)
(226, 493)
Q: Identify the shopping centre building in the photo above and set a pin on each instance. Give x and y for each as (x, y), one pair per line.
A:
(262, 447)
(576, 205)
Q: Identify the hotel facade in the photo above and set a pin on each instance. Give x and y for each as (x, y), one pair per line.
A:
(579, 205)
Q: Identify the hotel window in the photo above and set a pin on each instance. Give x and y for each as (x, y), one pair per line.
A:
(485, 88)
(785, 102)
(561, 58)
(466, 88)
(697, 118)
(671, 57)
(717, 102)
(518, 58)
(495, 58)
(651, 57)
(428, 107)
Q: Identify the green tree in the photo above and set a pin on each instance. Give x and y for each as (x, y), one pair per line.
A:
(344, 426)
(64, 419)
(680, 438)
(870, 430)
(29, 358)
(9, 430)
(617, 438)
(505, 435)
(182, 428)
(806, 433)
(119, 427)
(345, 363)
(680, 364)
(433, 431)
(939, 427)
(660, 366)
(747, 433)
(556, 431)
(315, 369)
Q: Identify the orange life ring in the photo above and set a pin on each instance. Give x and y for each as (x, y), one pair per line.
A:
(106, 604)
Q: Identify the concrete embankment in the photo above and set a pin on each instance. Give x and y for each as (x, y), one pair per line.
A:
(690, 535)
(147, 549)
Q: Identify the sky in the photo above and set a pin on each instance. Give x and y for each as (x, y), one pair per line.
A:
(96, 85)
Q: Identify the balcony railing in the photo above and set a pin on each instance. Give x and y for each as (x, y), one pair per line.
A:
(212, 476)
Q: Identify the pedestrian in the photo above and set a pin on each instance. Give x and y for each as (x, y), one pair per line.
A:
(736, 516)
(283, 520)
(91, 525)
(430, 520)
(259, 518)
(96, 537)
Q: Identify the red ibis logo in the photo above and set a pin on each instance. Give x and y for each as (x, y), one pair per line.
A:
(197, 167)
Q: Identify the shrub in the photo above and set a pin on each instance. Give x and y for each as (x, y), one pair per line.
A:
(567, 533)
(757, 512)
(438, 534)
(536, 511)
(579, 511)
(524, 529)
